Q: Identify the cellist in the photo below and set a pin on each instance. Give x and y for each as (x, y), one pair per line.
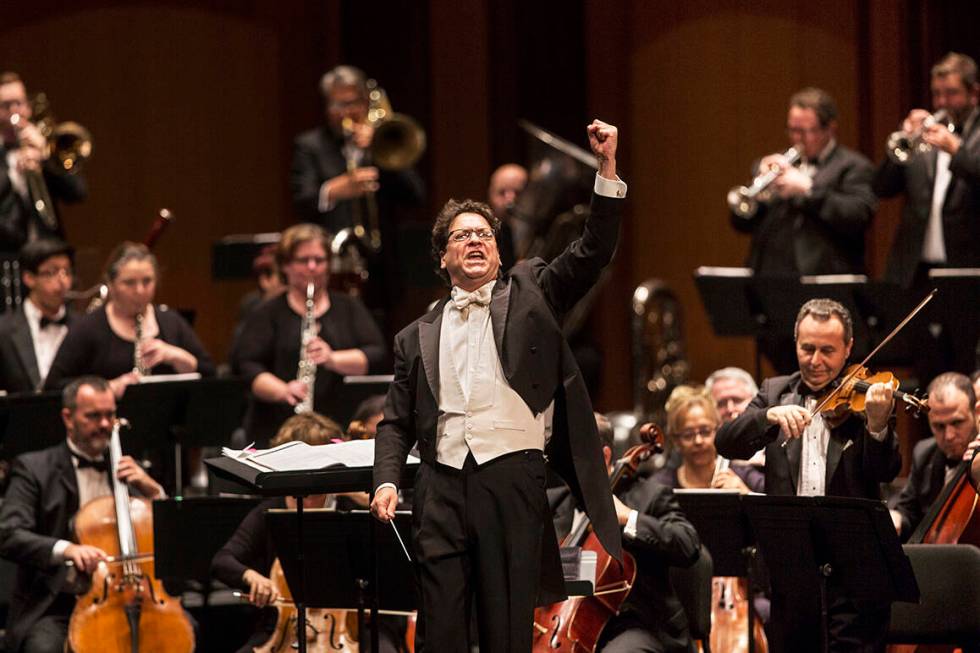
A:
(658, 535)
(936, 459)
(46, 489)
(246, 560)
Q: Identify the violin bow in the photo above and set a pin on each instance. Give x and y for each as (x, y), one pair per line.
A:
(901, 325)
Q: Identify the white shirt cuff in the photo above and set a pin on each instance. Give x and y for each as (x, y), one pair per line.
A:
(384, 485)
(58, 552)
(879, 435)
(610, 187)
(324, 204)
(629, 530)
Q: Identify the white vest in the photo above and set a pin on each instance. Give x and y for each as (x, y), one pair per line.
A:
(480, 412)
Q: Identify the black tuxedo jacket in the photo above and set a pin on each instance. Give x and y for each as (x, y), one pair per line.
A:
(317, 157)
(37, 511)
(18, 364)
(961, 207)
(664, 539)
(819, 234)
(856, 462)
(525, 311)
(926, 481)
(16, 214)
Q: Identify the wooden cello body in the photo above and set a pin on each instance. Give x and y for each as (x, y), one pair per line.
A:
(126, 609)
(327, 631)
(574, 625)
(953, 519)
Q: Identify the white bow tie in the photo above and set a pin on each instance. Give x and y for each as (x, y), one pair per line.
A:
(462, 298)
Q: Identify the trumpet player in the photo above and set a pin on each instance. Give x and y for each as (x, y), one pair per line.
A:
(24, 152)
(812, 217)
(331, 164)
(940, 224)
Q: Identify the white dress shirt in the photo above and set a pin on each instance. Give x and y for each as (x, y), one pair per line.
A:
(934, 243)
(46, 341)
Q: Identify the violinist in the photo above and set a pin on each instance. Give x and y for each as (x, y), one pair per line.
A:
(659, 536)
(846, 455)
(245, 561)
(46, 489)
(935, 460)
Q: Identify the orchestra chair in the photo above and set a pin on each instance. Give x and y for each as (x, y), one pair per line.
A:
(693, 587)
(948, 612)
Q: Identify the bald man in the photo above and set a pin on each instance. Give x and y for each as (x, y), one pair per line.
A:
(506, 183)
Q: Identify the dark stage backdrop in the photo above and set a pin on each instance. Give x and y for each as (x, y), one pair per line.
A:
(193, 106)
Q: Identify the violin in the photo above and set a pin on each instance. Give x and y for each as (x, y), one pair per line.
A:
(846, 395)
(126, 609)
(574, 625)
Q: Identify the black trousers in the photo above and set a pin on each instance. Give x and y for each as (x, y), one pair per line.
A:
(478, 536)
(855, 626)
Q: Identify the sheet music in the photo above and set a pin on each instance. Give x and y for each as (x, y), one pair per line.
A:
(298, 456)
(162, 378)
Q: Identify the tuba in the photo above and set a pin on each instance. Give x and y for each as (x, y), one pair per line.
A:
(659, 360)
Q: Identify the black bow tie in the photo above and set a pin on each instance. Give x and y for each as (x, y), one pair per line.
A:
(97, 465)
(58, 321)
(952, 462)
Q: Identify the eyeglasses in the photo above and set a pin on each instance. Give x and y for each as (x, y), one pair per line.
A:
(56, 272)
(687, 435)
(343, 105)
(306, 260)
(463, 235)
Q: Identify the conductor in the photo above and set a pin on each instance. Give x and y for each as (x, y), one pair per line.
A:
(486, 385)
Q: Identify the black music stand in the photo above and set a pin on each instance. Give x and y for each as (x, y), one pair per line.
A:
(201, 412)
(732, 304)
(958, 308)
(186, 535)
(29, 422)
(232, 256)
(352, 392)
(811, 542)
(339, 539)
(724, 530)
(301, 484)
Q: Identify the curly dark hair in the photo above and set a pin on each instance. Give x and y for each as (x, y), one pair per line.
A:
(440, 230)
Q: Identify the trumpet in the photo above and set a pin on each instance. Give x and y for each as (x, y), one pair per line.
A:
(903, 145)
(744, 200)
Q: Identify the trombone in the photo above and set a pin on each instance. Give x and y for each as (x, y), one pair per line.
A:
(67, 146)
(744, 200)
(903, 145)
(397, 143)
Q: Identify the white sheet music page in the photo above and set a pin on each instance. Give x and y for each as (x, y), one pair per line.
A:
(299, 456)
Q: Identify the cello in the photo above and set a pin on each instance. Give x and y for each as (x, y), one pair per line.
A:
(327, 631)
(574, 625)
(126, 609)
(953, 518)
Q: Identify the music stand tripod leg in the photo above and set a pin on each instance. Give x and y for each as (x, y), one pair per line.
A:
(300, 596)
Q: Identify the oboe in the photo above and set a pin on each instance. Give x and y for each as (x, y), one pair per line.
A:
(306, 369)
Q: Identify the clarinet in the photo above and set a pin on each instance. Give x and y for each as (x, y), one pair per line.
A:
(306, 369)
(139, 366)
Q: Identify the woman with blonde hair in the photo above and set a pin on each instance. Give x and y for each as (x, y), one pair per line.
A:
(692, 421)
